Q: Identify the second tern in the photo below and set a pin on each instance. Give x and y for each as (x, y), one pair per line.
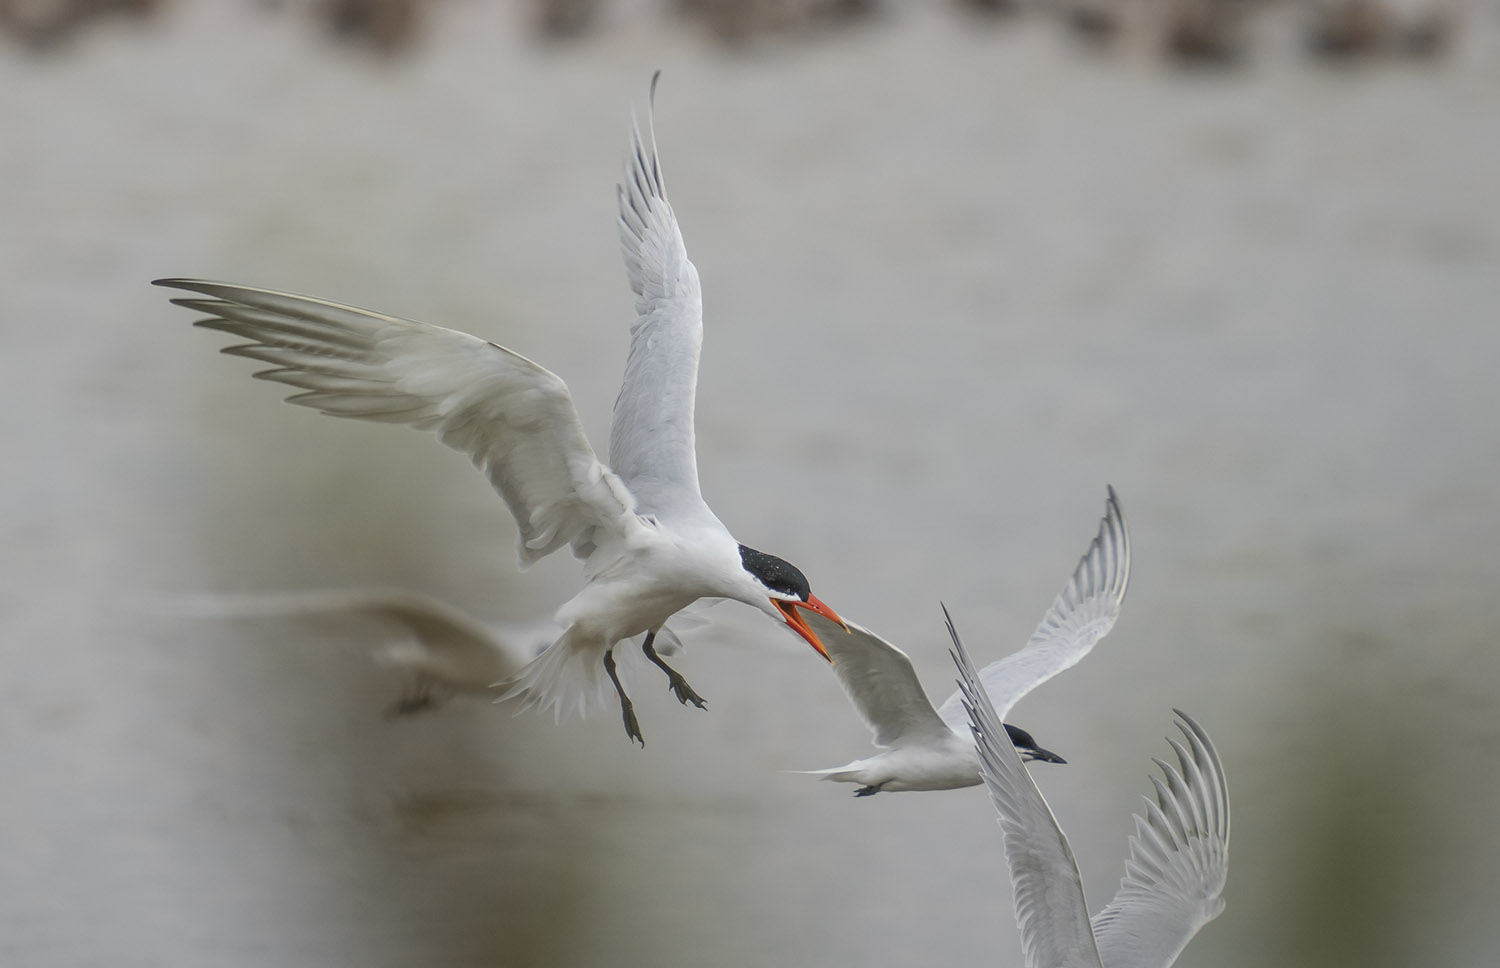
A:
(930, 749)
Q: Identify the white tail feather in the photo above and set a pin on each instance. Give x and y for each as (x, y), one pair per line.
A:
(837, 774)
(568, 677)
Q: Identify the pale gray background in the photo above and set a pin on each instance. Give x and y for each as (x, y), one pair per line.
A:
(956, 280)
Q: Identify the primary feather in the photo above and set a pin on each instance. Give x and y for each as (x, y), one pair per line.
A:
(1178, 861)
(651, 442)
(1049, 893)
(514, 419)
(1082, 614)
(1175, 871)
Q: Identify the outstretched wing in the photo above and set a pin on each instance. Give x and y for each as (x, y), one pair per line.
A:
(1049, 893)
(514, 419)
(1079, 617)
(651, 438)
(1179, 860)
(881, 683)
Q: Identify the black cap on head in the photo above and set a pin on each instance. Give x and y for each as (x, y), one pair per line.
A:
(1026, 745)
(775, 573)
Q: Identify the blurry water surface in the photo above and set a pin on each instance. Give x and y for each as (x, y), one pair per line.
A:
(956, 281)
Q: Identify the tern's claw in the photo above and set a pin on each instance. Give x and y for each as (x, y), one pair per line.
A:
(684, 692)
(632, 725)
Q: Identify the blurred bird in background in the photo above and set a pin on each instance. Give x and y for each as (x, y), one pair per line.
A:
(1190, 33)
(443, 651)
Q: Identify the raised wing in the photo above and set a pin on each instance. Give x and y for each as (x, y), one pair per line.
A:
(1179, 860)
(1049, 893)
(1079, 617)
(651, 438)
(514, 419)
(881, 683)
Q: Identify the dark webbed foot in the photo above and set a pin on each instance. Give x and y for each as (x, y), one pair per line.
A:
(684, 692)
(627, 708)
(679, 686)
(868, 791)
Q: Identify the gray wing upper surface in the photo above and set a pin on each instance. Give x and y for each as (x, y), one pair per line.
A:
(514, 419)
(881, 683)
(1178, 861)
(1050, 907)
(651, 443)
(1080, 616)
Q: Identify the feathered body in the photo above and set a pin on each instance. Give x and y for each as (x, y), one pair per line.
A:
(649, 543)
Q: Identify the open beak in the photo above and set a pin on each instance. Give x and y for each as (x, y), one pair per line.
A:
(800, 626)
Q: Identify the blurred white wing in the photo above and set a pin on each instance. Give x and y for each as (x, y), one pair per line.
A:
(441, 644)
(1049, 893)
(514, 419)
(651, 437)
(1079, 617)
(881, 683)
(1178, 863)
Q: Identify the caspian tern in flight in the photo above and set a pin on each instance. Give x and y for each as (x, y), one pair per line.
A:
(930, 749)
(1174, 874)
(650, 544)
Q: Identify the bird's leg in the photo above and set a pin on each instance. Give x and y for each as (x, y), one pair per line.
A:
(868, 791)
(680, 687)
(627, 708)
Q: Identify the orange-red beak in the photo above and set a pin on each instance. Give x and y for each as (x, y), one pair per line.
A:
(800, 626)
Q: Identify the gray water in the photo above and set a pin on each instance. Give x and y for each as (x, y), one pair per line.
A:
(956, 280)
